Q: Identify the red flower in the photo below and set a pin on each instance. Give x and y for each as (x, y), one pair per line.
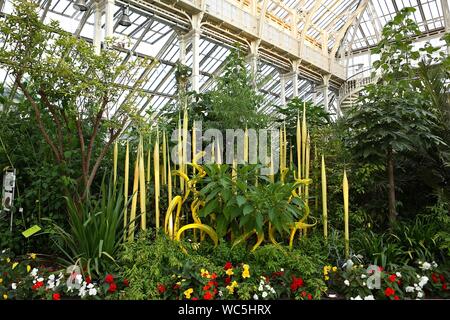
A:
(303, 294)
(396, 298)
(389, 292)
(296, 283)
(109, 278)
(441, 277)
(88, 280)
(112, 287)
(194, 298)
(228, 265)
(176, 286)
(444, 286)
(399, 282)
(227, 280)
(213, 283)
(434, 277)
(207, 295)
(215, 291)
(309, 296)
(37, 285)
(56, 296)
(161, 288)
(392, 278)
(125, 282)
(206, 288)
(380, 268)
(214, 276)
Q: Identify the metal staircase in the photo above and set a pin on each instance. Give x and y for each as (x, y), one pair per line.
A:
(350, 90)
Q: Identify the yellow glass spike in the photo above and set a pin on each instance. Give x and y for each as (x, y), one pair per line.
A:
(346, 217)
(125, 189)
(116, 153)
(156, 177)
(324, 199)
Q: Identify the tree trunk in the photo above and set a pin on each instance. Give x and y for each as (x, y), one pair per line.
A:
(391, 182)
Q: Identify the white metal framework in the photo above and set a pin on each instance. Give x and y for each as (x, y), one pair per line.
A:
(305, 48)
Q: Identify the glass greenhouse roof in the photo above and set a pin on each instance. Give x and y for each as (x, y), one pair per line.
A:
(157, 35)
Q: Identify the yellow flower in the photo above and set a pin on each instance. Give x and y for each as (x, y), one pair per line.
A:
(205, 273)
(327, 278)
(229, 272)
(178, 283)
(234, 284)
(1, 280)
(5, 296)
(14, 265)
(230, 289)
(33, 256)
(326, 269)
(246, 273)
(334, 269)
(188, 293)
(8, 260)
(28, 268)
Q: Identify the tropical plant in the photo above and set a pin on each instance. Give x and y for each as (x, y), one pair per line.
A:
(68, 89)
(96, 230)
(392, 117)
(243, 207)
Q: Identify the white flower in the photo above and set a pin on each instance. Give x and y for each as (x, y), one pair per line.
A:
(14, 286)
(40, 279)
(398, 274)
(264, 294)
(363, 276)
(50, 284)
(346, 282)
(434, 264)
(34, 272)
(423, 281)
(409, 289)
(267, 287)
(369, 298)
(90, 286)
(260, 288)
(51, 277)
(282, 270)
(356, 298)
(92, 292)
(425, 266)
(420, 294)
(364, 283)
(78, 278)
(220, 293)
(255, 296)
(272, 290)
(82, 291)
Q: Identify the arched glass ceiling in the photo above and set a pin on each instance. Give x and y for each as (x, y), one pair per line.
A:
(314, 21)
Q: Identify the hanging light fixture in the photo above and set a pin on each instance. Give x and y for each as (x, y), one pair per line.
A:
(80, 5)
(125, 17)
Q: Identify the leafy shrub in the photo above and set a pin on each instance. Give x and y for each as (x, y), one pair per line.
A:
(96, 230)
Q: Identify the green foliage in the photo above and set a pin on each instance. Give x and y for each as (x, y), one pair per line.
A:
(244, 207)
(96, 230)
(393, 119)
(68, 89)
(232, 104)
(153, 261)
